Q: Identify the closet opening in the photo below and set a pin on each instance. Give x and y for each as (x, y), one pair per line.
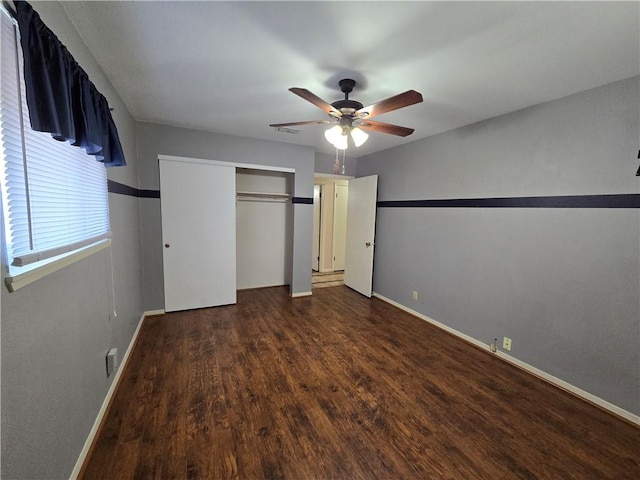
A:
(264, 228)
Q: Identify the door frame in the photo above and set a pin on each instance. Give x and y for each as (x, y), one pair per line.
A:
(251, 166)
(322, 179)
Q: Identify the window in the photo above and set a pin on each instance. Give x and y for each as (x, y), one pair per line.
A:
(54, 195)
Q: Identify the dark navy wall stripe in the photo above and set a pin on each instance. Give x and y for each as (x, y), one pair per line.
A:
(122, 189)
(631, 200)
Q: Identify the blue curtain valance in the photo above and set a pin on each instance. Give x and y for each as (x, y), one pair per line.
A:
(61, 99)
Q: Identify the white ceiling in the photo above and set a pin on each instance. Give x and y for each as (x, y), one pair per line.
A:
(227, 66)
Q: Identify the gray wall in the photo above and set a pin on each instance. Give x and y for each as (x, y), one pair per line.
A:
(324, 164)
(154, 140)
(564, 284)
(57, 331)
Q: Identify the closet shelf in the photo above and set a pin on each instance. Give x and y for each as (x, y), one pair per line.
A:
(262, 195)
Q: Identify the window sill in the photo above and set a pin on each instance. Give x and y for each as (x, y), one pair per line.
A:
(16, 282)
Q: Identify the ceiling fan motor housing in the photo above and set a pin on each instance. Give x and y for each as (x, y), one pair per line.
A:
(349, 106)
(346, 85)
(346, 106)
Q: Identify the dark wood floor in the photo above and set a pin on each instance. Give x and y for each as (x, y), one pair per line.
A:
(337, 386)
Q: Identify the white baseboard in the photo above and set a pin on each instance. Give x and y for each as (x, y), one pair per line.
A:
(635, 419)
(301, 294)
(105, 404)
(151, 313)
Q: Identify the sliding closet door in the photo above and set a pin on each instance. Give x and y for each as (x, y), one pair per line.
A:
(198, 234)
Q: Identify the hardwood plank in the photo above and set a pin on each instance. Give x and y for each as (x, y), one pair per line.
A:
(341, 386)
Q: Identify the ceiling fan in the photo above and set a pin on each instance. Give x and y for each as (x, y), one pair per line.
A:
(351, 117)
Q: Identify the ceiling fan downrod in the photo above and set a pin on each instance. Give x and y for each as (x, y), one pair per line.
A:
(349, 106)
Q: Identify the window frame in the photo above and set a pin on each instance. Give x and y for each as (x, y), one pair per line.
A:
(17, 277)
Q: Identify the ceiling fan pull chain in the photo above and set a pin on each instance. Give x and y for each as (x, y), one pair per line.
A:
(336, 164)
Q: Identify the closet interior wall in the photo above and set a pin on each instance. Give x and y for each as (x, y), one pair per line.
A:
(264, 228)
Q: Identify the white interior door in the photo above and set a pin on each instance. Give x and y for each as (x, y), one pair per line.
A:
(361, 226)
(340, 227)
(315, 260)
(327, 192)
(198, 234)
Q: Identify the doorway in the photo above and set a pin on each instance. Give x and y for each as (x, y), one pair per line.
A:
(353, 259)
(329, 223)
(264, 228)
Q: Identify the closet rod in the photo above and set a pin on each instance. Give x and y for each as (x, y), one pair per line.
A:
(263, 195)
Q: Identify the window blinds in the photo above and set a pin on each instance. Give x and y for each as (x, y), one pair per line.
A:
(54, 195)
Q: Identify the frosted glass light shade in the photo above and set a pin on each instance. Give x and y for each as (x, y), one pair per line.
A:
(359, 136)
(335, 136)
(333, 133)
(341, 142)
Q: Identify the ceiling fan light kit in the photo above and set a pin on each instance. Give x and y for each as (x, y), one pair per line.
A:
(337, 137)
(359, 136)
(352, 117)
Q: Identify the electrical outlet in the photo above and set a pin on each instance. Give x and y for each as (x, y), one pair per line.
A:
(112, 361)
(506, 343)
(415, 295)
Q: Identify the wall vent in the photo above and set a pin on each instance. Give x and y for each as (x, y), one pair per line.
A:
(288, 130)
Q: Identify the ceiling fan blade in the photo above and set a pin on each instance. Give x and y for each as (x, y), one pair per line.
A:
(401, 100)
(317, 101)
(386, 128)
(291, 124)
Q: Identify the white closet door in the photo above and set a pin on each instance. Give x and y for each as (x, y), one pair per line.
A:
(198, 234)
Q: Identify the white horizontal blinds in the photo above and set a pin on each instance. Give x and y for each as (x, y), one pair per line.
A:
(16, 209)
(55, 194)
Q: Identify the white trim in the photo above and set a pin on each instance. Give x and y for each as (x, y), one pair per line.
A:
(227, 164)
(38, 256)
(327, 176)
(301, 294)
(558, 382)
(20, 280)
(105, 404)
(151, 313)
(635, 419)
